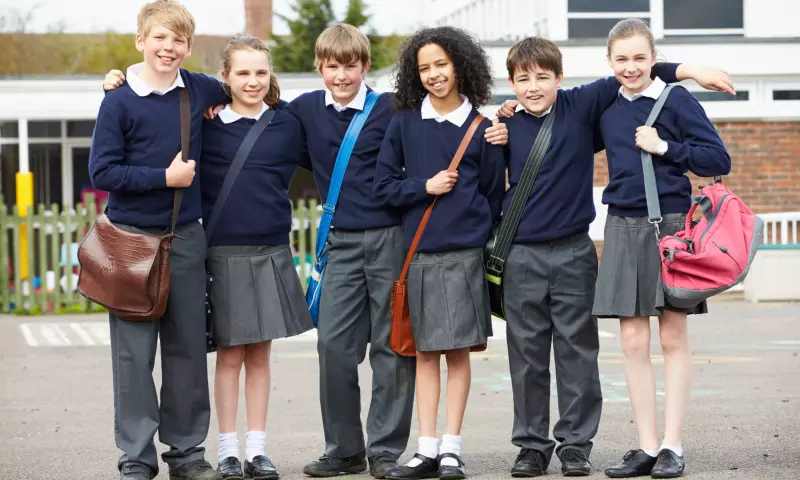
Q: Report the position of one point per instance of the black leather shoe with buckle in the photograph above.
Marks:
(529, 463)
(230, 468)
(326, 466)
(428, 468)
(451, 472)
(635, 463)
(195, 470)
(136, 471)
(668, 465)
(261, 468)
(382, 463)
(575, 463)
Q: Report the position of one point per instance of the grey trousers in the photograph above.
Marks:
(354, 311)
(182, 417)
(548, 295)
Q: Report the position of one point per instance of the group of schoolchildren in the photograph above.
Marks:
(398, 165)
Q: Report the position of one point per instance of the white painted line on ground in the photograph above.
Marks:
(787, 342)
(82, 333)
(52, 334)
(29, 338)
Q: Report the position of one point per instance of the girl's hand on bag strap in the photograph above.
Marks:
(442, 183)
(497, 134)
(113, 80)
(647, 139)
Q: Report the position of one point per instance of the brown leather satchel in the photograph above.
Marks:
(126, 272)
(401, 338)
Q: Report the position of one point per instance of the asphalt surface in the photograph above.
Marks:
(56, 402)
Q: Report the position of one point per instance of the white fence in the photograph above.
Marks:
(780, 228)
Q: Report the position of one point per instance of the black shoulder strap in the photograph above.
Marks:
(236, 167)
(186, 123)
(511, 218)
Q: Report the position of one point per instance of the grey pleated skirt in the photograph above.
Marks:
(448, 300)
(629, 279)
(256, 294)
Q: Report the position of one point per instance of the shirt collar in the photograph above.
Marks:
(457, 117)
(141, 88)
(653, 91)
(521, 108)
(227, 115)
(356, 104)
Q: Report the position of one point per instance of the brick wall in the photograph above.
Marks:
(766, 165)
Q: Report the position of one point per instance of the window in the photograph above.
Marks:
(9, 129)
(706, 96)
(575, 6)
(9, 166)
(498, 99)
(592, 27)
(46, 129)
(786, 94)
(80, 128)
(703, 17)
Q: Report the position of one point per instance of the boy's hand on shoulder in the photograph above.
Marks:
(715, 79)
(647, 139)
(180, 174)
(508, 109)
(442, 183)
(497, 134)
(113, 80)
(213, 111)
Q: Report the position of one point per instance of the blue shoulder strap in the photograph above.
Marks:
(339, 169)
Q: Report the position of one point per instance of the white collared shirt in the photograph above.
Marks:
(521, 108)
(227, 115)
(457, 117)
(357, 103)
(653, 91)
(141, 88)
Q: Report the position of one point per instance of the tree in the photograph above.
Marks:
(295, 53)
(356, 13)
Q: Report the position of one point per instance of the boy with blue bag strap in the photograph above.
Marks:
(321, 258)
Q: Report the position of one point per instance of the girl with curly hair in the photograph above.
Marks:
(442, 76)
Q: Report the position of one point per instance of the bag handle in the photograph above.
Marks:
(510, 221)
(186, 122)
(236, 167)
(650, 185)
(452, 168)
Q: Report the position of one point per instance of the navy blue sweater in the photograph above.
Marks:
(561, 202)
(694, 145)
(415, 150)
(136, 139)
(258, 210)
(357, 208)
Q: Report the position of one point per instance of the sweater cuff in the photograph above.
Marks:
(157, 178)
(673, 151)
(419, 189)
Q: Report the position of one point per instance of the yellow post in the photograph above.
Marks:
(24, 200)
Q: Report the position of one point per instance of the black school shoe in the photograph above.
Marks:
(195, 470)
(260, 469)
(381, 464)
(136, 471)
(635, 463)
(529, 463)
(449, 472)
(230, 469)
(575, 463)
(429, 468)
(668, 465)
(326, 466)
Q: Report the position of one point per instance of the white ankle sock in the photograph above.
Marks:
(652, 453)
(254, 444)
(450, 444)
(675, 448)
(428, 446)
(228, 445)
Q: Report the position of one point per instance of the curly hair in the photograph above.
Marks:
(471, 63)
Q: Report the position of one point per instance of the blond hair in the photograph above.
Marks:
(343, 43)
(631, 27)
(248, 42)
(167, 13)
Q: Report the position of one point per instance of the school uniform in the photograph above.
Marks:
(136, 138)
(629, 283)
(448, 297)
(365, 256)
(255, 290)
(550, 273)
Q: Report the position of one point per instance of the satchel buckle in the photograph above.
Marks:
(495, 265)
(655, 224)
(328, 208)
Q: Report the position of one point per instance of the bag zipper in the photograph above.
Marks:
(725, 251)
(713, 217)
